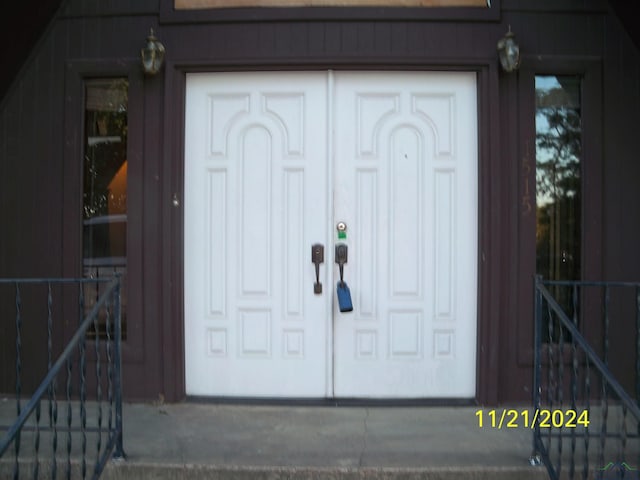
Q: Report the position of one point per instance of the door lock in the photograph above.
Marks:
(341, 227)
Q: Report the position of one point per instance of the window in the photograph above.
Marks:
(104, 196)
(559, 184)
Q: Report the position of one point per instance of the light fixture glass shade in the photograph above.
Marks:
(509, 52)
(152, 55)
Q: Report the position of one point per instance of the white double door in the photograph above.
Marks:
(273, 161)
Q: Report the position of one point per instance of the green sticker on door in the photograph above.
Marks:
(341, 227)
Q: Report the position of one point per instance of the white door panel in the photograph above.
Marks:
(255, 187)
(405, 159)
(272, 162)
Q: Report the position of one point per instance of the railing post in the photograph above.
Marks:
(638, 348)
(18, 300)
(119, 449)
(537, 367)
(638, 362)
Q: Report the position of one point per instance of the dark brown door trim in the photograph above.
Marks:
(490, 239)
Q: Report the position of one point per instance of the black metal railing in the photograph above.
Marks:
(77, 322)
(587, 379)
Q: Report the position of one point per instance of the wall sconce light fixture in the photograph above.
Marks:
(152, 55)
(509, 52)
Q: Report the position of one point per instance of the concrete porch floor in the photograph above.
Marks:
(198, 440)
(204, 441)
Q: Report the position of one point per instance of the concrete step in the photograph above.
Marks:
(246, 442)
(132, 470)
(140, 471)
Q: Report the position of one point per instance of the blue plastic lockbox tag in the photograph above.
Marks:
(344, 297)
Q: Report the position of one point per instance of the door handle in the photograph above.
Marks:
(341, 258)
(317, 257)
(343, 292)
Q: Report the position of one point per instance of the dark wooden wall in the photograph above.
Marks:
(38, 136)
(621, 175)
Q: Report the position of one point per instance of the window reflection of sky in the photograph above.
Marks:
(544, 84)
(551, 94)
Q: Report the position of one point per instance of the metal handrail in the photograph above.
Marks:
(590, 352)
(592, 360)
(114, 447)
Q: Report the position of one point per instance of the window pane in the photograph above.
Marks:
(105, 181)
(558, 182)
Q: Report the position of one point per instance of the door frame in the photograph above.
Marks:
(491, 241)
(592, 171)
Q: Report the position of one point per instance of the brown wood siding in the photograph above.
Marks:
(607, 230)
(30, 142)
(36, 145)
(98, 8)
(337, 44)
(621, 181)
(44, 240)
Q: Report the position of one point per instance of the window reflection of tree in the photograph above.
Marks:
(558, 187)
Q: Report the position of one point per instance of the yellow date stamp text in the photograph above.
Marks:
(526, 418)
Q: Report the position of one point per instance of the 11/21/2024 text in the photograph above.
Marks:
(525, 418)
